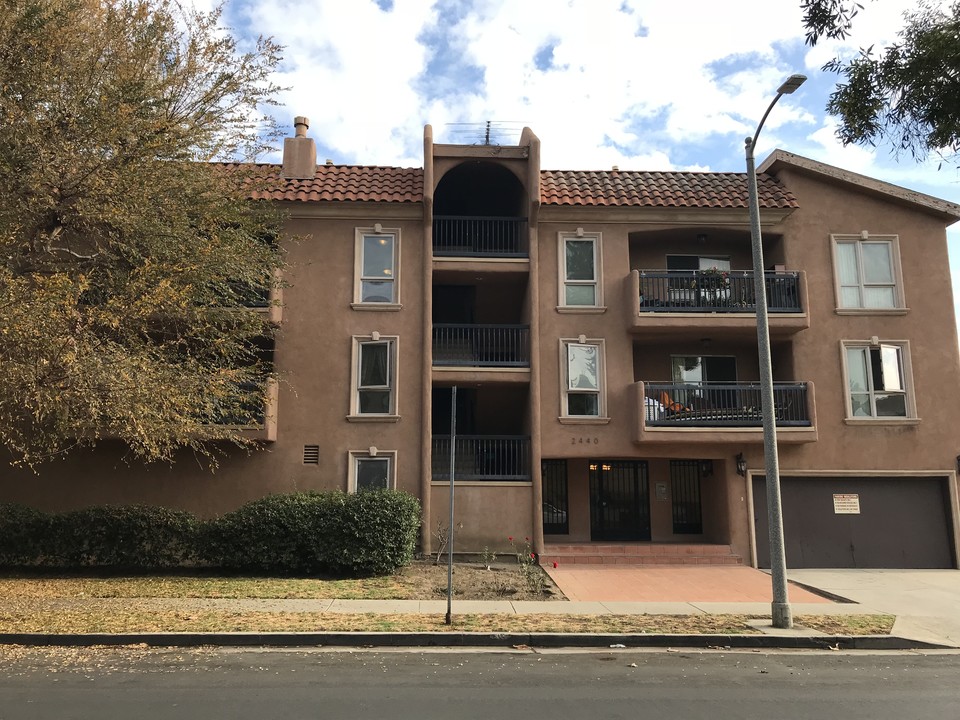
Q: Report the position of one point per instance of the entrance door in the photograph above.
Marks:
(619, 500)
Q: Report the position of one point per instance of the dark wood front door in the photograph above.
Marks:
(619, 500)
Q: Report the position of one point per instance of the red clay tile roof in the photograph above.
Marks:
(659, 189)
(342, 182)
(558, 187)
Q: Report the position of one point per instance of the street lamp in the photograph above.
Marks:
(780, 611)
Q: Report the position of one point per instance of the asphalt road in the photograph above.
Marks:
(222, 683)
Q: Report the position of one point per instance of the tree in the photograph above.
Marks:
(909, 93)
(126, 250)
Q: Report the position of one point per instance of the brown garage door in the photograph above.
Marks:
(903, 522)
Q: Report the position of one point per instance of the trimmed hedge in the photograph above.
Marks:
(132, 536)
(123, 536)
(368, 533)
(24, 533)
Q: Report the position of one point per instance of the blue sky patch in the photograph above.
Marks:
(448, 71)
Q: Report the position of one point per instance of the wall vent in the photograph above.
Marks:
(311, 454)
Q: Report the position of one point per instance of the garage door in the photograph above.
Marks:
(865, 522)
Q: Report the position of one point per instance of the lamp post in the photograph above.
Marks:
(781, 614)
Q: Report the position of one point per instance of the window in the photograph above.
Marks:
(580, 271)
(372, 470)
(708, 368)
(583, 371)
(377, 256)
(374, 378)
(876, 381)
(696, 370)
(867, 272)
(689, 263)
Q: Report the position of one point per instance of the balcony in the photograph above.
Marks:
(254, 418)
(673, 302)
(265, 300)
(722, 412)
(492, 347)
(468, 236)
(483, 458)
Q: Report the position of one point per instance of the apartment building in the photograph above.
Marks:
(600, 331)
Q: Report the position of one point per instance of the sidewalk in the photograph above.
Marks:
(923, 601)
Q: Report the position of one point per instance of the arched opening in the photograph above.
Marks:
(478, 211)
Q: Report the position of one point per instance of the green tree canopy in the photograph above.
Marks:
(907, 94)
(124, 250)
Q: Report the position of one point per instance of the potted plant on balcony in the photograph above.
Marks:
(713, 278)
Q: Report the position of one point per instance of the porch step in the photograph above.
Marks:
(641, 554)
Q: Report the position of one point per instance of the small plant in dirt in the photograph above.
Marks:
(443, 536)
(529, 570)
(488, 557)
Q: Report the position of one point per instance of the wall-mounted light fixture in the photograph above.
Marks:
(741, 465)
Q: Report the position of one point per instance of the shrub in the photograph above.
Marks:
(310, 533)
(272, 534)
(130, 536)
(24, 533)
(379, 533)
(297, 534)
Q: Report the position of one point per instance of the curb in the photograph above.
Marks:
(479, 640)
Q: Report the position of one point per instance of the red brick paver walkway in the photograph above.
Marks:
(670, 584)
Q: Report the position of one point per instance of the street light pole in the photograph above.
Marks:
(781, 614)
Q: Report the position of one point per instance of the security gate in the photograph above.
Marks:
(619, 500)
(555, 505)
(685, 495)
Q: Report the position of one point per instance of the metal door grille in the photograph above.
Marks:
(619, 500)
(555, 502)
(685, 491)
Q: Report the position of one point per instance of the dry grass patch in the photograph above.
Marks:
(131, 619)
(848, 624)
(145, 617)
(418, 581)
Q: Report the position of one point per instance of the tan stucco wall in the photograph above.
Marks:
(485, 514)
(314, 348)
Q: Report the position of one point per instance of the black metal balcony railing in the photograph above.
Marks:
(722, 404)
(481, 345)
(711, 291)
(478, 236)
(483, 457)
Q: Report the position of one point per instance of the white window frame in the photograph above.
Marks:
(858, 241)
(392, 343)
(360, 237)
(565, 389)
(357, 457)
(906, 373)
(596, 283)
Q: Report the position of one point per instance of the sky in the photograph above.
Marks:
(640, 84)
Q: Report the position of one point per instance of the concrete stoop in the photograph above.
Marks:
(639, 554)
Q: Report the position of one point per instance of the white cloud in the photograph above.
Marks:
(641, 84)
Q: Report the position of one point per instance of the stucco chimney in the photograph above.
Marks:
(299, 153)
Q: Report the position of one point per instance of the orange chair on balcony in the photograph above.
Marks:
(670, 404)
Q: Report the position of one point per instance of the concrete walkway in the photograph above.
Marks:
(926, 602)
(710, 584)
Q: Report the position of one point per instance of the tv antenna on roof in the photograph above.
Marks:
(491, 132)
